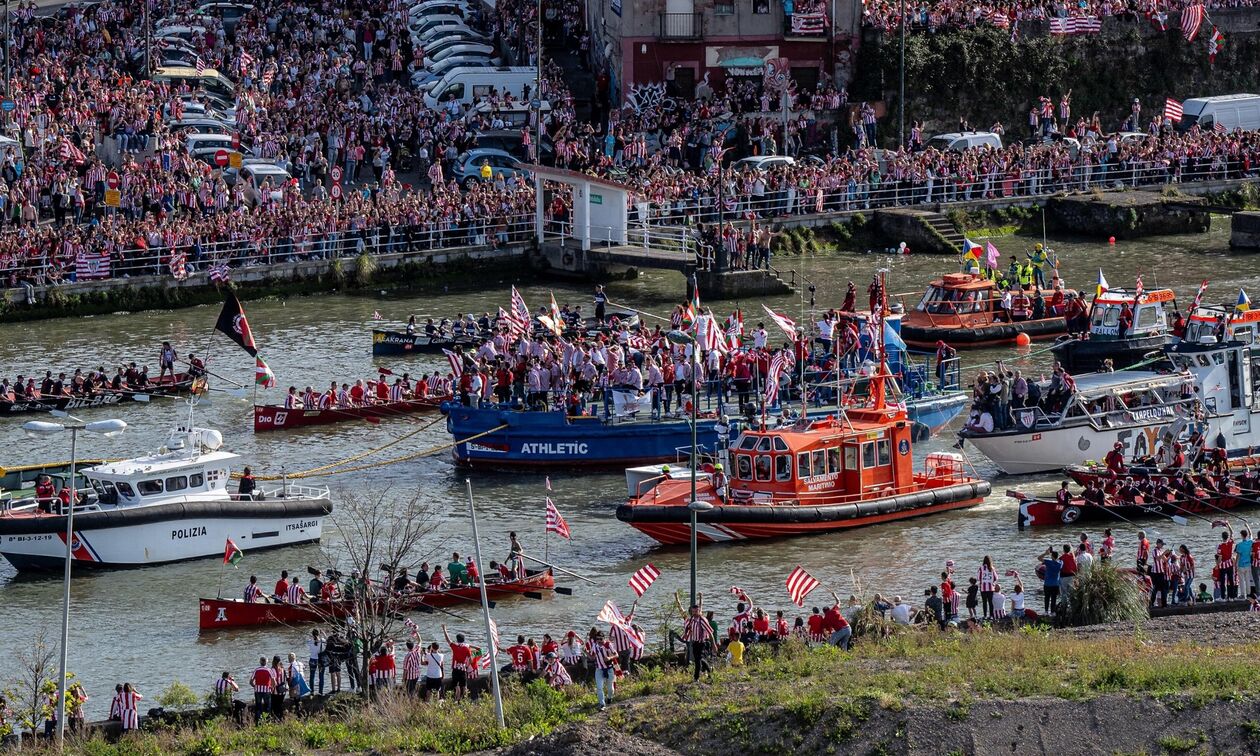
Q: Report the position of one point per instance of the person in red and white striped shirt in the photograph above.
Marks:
(296, 593)
(554, 672)
(253, 594)
(381, 669)
(1226, 562)
(263, 683)
(411, 667)
(987, 576)
(605, 670)
(698, 634)
(129, 707)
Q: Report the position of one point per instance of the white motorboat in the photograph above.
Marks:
(164, 507)
(1218, 382)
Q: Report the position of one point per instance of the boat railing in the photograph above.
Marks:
(294, 491)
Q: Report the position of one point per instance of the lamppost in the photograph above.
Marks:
(694, 506)
(36, 429)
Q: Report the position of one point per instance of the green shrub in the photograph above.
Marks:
(1105, 594)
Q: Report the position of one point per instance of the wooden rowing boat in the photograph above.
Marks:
(272, 417)
(166, 386)
(1037, 511)
(221, 613)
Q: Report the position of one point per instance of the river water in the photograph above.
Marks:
(141, 625)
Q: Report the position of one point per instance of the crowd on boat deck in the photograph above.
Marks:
(88, 383)
(999, 394)
(633, 368)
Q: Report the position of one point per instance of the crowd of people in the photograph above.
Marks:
(885, 15)
(319, 89)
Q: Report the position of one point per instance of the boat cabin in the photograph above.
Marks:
(189, 468)
(1238, 326)
(1116, 399)
(965, 300)
(823, 458)
(1228, 375)
(1150, 316)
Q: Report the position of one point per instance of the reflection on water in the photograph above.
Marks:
(141, 625)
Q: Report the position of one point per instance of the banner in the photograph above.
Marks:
(628, 402)
(90, 266)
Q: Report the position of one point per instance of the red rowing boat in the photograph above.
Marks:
(1035, 511)
(220, 613)
(1083, 474)
(270, 417)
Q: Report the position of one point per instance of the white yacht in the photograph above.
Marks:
(1138, 408)
(163, 507)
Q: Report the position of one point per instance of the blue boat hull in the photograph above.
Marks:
(550, 440)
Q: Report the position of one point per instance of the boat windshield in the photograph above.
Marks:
(939, 300)
(105, 491)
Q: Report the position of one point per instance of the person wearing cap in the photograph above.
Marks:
(719, 481)
(1115, 460)
(554, 671)
(571, 649)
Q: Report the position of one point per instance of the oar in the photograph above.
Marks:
(557, 569)
(1210, 505)
(216, 375)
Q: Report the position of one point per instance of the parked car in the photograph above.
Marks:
(510, 141)
(1236, 111)
(200, 126)
(467, 168)
(262, 175)
(763, 162)
(439, 69)
(453, 48)
(961, 142)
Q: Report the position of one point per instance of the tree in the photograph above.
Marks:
(378, 535)
(32, 691)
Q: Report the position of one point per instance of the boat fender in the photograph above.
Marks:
(1070, 515)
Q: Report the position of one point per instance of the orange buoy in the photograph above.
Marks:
(1112, 241)
(1021, 339)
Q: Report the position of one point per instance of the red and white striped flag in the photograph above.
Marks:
(1172, 110)
(520, 310)
(739, 593)
(642, 579)
(1219, 128)
(376, 315)
(220, 273)
(799, 585)
(178, 265)
(201, 66)
(457, 363)
(92, 265)
(613, 616)
(1198, 297)
(1191, 21)
(782, 321)
(556, 523)
(514, 328)
(1138, 291)
(778, 365)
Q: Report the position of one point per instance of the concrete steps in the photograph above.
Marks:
(946, 229)
(923, 230)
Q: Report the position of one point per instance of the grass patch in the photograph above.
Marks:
(798, 700)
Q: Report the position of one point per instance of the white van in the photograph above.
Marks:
(466, 85)
(961, 142)
(1236, 111)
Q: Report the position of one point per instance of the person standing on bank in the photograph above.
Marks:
(699, 637)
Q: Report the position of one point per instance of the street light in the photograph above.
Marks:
(682, 338)
(37, 429)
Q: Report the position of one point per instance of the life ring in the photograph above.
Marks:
(1070, 515)
(567, 258)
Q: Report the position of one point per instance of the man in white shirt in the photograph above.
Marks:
(760, 336)
(433, 672)
(900, 611)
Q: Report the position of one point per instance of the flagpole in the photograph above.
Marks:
(222, 569)
(485, 613)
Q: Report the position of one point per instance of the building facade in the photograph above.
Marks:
(684, 43)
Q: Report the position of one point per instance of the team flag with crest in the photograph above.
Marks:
(233, 324)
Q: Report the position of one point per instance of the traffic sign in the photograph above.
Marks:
(535, 103)
(236, 141)
(113, 198)
(111, 180)
(335, 191)
(8, 105)
(221, 158)
(235, 160)
(335, 174)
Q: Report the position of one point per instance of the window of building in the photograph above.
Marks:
(723, 7)
(761, 7)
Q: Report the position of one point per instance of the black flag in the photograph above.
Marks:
(232, 322)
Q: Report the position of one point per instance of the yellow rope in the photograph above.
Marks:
(370, 452)
(383, 463)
